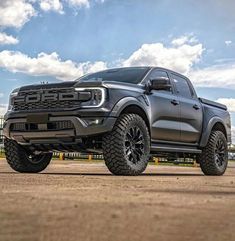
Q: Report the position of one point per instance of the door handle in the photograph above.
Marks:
(175, 102)
(196, 107)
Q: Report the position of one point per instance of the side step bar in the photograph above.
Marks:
(161, 148)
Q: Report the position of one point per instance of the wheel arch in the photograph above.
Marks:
(215, 124)
(219, 126)
(135, 109)
(132, 106)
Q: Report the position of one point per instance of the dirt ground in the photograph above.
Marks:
(83, 201)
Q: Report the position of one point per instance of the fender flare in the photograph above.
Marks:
(206, 133)
(128, 101)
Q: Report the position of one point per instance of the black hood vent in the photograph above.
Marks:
(66, 84)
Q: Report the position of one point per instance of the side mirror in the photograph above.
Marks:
(160, 83)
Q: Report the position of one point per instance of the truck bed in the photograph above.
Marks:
(213, 103)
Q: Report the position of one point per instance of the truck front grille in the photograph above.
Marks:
(32, 100)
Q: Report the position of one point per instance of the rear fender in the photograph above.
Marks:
(207, 131)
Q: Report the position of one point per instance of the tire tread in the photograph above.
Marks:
(17, 159)
(206, 158)
(112, 146)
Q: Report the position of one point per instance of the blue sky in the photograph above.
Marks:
(57, 40)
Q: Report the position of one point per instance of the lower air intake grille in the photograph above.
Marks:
(55, 125)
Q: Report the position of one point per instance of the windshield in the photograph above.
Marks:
(132, 75)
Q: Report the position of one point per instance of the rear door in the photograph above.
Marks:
(165, 111)
(190, 110)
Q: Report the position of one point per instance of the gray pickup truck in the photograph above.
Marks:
(128, 114)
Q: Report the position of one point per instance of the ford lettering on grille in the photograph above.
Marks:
(46, 100)
(46, 97)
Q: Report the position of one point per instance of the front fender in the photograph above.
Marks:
(129, 101)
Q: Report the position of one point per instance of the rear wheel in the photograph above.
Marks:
(126, 148)
(214, 157)
(22, 161)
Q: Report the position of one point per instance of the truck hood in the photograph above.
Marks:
(109, 84)
(70, 84)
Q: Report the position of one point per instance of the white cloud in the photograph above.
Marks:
(15, 13)
(1, 95)
(179, 58)
(7, 39)
(214, 76)
(51, 5)
(185, 39)
(233, 134)
(79, 3)
(58, 5)
(180, 41)
(47, 65)
(228, 42)
(3, 109)
(229, 102)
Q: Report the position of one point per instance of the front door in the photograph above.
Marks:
(165, 108)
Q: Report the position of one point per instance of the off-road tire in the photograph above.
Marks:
(20, 161)
(115, 146)
(209, 163)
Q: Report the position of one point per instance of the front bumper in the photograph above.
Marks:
(80, 129)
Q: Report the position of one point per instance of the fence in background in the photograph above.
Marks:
(77, 156)
(1, 136)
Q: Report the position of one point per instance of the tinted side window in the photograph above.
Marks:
(182, 86)
(158, 73)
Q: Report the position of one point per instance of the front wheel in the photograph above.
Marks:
(22, 161)
(126, 148)
(214, 157)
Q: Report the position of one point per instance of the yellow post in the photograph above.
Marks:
(61, 156)
(156, 159)
(89, 157)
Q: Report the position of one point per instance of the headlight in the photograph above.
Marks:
(13, 94)
(97, 96)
